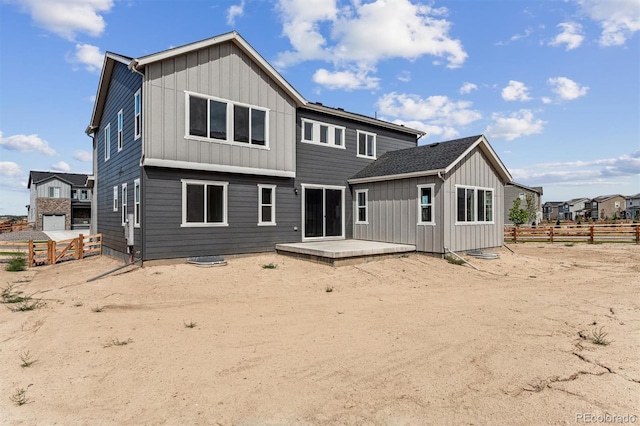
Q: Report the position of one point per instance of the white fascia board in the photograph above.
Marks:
(221, 168)
(394, 177)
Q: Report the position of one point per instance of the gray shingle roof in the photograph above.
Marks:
(75, 179)
(436, 156)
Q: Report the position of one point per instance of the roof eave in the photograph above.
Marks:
(491, 154)
(396, 176)
(103, 86)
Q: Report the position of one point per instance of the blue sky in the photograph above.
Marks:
(554, 85)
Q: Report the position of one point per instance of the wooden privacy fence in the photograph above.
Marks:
(51, 252)
(623, 233)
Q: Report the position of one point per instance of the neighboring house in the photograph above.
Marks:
(207, 150)
(513, 191)
(574, 209)
(551, 210)
(633, 206)
(608, 207)
(59, 201)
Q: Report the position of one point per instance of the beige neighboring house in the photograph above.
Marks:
(607, 207)
(58, 201)
(515, 190)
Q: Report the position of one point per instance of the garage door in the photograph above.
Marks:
(53, 222)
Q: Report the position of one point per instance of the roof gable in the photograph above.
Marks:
(440, 157)
(73, 179)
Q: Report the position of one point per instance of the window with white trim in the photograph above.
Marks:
(120, 140)
(136, 203)
(74, 194)
(124, 203)
(266, 205)
(204, 203)
(115, 198)
(319, 133)
(366, 144)
(137, 115)
(107, 142)
(425, 204)
(474, 204)
(84, 194)
(215, 119)
(54, 192)
(362, 206)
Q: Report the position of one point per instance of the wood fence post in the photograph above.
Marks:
(515, 234)
(551, 234)
(31, 254)
(637, 234)
(80, 247)
(52, 252)
(591, 234)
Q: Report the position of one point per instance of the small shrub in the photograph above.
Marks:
(599, 337)
(97, 309)
(17, 263)
(329, 289)
(270, 266)
(568, 244)
(454, 260)
(19, 397)
(9, 295)
(118, 342)
(26, 359)
(28, 304)
(190, 324)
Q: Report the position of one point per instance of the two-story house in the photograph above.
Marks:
(59, 201)
(513, 191)
(608, 207)
(551, 210)
(633, 207)
(206, 149)
(574, 209)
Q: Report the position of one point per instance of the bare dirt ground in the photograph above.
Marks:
(412, 340)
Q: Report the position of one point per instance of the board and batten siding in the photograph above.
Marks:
(393, 214)
(43, 188)
(326, 165)
(473, 170)
(122, 166)
(165, 238)
(226, 72)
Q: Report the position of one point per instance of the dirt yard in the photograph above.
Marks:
(406, 341)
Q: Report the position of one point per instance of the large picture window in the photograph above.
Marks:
(474, 205)
(362, 210)
(204, 203)
(366, 144)
(266, 205)
(316, 132)
(217, 119)
(425, 204)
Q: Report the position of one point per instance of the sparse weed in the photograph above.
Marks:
(17, 263)
(329, 289)
(19, 397)
(97, 309)
(270, 266)
(569, 244)
(28, 304)
(599, 337)
(118, 342)
(454, 260)
(26, 359)
(78, 304)
(190, 324)
(9, 295)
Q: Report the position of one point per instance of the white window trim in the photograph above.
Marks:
(229, 140)
(273, 205)
(366, 207)
(303, 200)
(124, 204)
(137, 127)
(316, 134)
(475, 212)
(433, 210)
(120, 131)
(107, 142)
(115, 198)
(136, 203)
(225, 207)
(375, 143)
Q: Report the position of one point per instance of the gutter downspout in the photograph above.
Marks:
(133, 67)
(440, 176)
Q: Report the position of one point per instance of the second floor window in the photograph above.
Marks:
(74, 194)
(54, 192)
(120, 140)
(319, 133)
(137, 115)
(217, 119)
(366, 144)
(107, 142)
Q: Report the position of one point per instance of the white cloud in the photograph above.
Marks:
(516, 125)
(85, 156)
(546, 100)
(571, 35)
(68, 17)
(404, 76)
(61, 166)
(567, 89)
(362, 34)
(10, 169)
(468, 88)
(26, 143)
(436, 109)
(235, 11)
(619, 19)
(347, 80)
(527, 33)
(516, 91)
(89, 56)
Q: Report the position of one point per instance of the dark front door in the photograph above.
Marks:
(323, 212)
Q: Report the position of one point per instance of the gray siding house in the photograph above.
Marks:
(513, 191)
(208, 150)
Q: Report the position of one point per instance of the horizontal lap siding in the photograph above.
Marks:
(325, 165)
(166, 238)
(473, 170)
(123, 166)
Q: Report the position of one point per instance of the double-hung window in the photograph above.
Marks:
(266, 205)
(54, 192)
(107, 142)
(425, 204)
(216, 119)
(366, 144)
(204, 203)
(362, 206)
(84, 194)
(137, 115)
(124, 203)
(120, 140)
(136, 203)
(474, 204)
(320, 133)
(115, 198)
